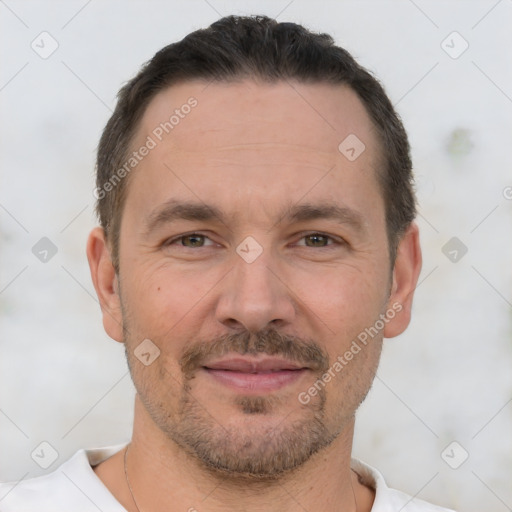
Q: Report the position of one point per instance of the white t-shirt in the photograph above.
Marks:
(74, 487)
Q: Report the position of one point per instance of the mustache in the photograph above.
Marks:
(268, 341)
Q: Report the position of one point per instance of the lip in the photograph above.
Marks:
(255, 375)
(249, 365)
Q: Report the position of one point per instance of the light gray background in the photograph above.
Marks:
(446, 379)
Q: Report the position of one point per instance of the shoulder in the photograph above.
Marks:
(387, 499)
(35, 493)
(72, 486)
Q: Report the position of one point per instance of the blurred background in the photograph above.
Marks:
(437, 422)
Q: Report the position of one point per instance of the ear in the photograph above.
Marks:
(105, 282)
(405, 278)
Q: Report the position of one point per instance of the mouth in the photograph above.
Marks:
(255, 375)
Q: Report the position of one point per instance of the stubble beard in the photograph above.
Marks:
(256, 452)
(259, 452)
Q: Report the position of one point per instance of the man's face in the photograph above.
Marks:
(252, 254)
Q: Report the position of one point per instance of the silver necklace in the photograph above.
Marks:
(128, 481)
(135, 502)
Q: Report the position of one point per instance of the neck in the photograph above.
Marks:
(161, 473)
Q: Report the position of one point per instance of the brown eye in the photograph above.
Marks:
(189, 241)
(192, 240)
(317, 240)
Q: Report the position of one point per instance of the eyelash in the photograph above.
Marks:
(334, 240)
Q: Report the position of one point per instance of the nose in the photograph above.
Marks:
(255, 296)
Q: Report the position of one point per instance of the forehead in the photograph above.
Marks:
(310, 117)
(247, 140)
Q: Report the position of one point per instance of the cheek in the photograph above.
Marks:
(158, 297)
(167, 304)
(345, 300)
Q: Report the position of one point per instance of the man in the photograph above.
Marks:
(256, 245)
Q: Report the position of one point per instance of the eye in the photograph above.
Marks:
(192, 240)
(197, 240)
(317, 240)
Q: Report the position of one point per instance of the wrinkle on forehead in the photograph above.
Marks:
(258, 143)
(233, 115)
(250, 156)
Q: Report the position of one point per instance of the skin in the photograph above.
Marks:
(253, 151)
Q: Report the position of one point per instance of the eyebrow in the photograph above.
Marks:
(341, 214)
(173, 210)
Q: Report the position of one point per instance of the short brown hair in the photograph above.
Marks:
(237, 47)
